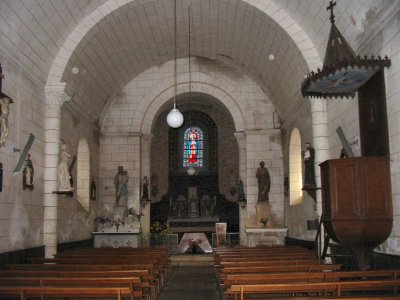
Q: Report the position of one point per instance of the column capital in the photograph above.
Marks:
(55, 94)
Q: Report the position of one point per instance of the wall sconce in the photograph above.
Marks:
(242, 203)
(144, 202)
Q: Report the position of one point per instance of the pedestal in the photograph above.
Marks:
(266, 236)
(132, 239)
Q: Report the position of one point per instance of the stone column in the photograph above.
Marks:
(145, 171)
(55, 97)
(241, 141)
(320, 142)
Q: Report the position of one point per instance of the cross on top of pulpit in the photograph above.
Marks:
(332, 4)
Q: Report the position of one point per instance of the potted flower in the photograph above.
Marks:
(158, 233)
(264, 220)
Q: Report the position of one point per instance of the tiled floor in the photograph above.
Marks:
(191, 283)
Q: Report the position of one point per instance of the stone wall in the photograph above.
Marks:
(296, 216)
(74, 222)
(21, 211)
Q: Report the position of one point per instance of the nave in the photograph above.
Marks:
(264, 272)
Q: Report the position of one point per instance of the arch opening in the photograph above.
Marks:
(295, 171)
(83, 174)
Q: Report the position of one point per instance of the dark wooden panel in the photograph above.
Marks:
(373, 117)
(344, 194)
(376, 187)
(357, 196)
(20, 256)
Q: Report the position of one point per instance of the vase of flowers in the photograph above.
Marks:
(137, 215)
(264, 221)
(101, 220)
(158, 231)
(117, 222)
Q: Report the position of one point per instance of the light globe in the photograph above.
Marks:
(175, 118)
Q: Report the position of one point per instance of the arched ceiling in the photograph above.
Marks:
(139, 35)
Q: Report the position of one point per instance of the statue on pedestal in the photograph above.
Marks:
(309, 173)
(64, 177)
(206, 206)
(4, 112)
(121, 187)
(27, 174)
(264, 183)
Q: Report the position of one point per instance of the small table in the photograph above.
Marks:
(132, 239)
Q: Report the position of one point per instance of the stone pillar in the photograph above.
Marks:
(320, 142)
(145, 171)
(55, 97)
(241, 141)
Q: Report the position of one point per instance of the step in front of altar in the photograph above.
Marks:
(192, 225)
(192, 260)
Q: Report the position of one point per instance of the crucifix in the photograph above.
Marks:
(332, 4)
(4, 112)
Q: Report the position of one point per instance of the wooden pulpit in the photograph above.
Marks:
(357, 203)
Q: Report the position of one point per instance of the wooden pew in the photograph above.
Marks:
(134, 283)
(334, 288)
(279, 269)
(308, 277)
(63, 292)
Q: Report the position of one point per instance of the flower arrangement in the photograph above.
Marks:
(159, 228)
(117, 222)
(102, 219)
(132, 212)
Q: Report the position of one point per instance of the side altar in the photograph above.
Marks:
(123, 230)
(130, 238)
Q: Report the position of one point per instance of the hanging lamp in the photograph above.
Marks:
(175, 117)
(191, 170)
(343, 73)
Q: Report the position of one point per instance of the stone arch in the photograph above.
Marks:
(295, 171)
(300, 38)
(83, 174)
(160, 94)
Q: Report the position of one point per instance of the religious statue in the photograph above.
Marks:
(240, 191)
(206, 206)
(309, 174)
(264, 183)
(4, 112)
(178, 207)
(64, 183)
(27, 174)
(121, 187)
(232, 183)
(93, 190)
(145, 189)
(154, 185)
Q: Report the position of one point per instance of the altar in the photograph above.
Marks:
(266, 236)
(130, 238)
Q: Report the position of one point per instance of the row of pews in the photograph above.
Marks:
(120, 273)
(281, 272)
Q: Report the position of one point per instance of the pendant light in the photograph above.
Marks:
(175, 117)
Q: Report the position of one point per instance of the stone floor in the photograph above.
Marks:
(191, 283)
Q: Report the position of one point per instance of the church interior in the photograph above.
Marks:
(210, 135)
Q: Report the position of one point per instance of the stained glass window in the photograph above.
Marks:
(193, 147)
